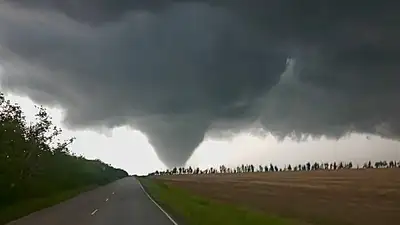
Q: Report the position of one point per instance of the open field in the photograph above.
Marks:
(190, 209)
(318, 197)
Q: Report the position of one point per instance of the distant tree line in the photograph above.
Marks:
(249, 168)
(34, 162)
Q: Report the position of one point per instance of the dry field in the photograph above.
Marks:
(367, 197)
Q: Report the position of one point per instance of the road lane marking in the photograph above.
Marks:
(106, 199)
(155, 203)
(94, 212)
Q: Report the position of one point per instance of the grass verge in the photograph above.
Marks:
(195, 210)
(29, 206)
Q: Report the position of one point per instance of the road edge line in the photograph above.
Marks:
(155, 203)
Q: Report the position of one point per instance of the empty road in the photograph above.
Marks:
(120, 203)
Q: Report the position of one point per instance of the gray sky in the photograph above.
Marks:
(129, 149)
(185, 71)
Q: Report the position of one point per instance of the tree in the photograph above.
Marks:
(34, 162)
(252, 168)
(271, 167)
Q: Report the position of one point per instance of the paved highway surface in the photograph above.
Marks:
(120, 203)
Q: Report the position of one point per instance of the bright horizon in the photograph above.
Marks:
(130, 150)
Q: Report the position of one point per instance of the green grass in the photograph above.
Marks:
(195, 210)
(24, 208)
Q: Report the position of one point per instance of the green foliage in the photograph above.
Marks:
(34, 163)
(195, 210)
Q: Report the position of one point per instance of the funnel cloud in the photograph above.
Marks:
(180, 71)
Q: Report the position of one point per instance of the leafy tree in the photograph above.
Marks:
(34, 162)
(308, 166)
(252, 168)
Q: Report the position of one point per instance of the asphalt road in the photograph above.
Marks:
(120, 203)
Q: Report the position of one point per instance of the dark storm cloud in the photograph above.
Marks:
(177, 70)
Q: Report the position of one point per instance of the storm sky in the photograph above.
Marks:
(181, 71)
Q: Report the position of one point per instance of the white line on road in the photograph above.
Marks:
(94, 212)
(162, 210)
